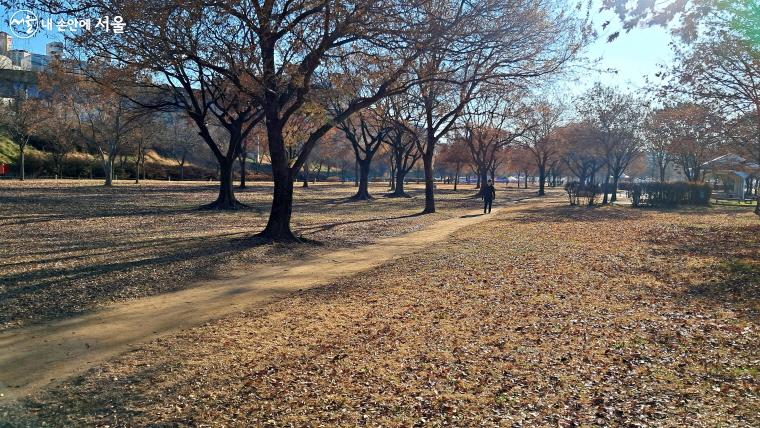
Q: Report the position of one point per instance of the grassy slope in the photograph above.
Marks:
(545, 316)
(8, 150)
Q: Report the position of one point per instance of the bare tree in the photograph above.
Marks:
(455, 155)
(484, 131)
(105, 121)
(616, 121)
(496, 43)
(540, 123)
(179, 139)
(659, 139)
(403, 146)
(582, 155)
(366, 132)
(19, 117)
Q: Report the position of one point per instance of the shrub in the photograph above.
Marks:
(578, 192)
(668, 194)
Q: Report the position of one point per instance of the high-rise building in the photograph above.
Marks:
(19, 57)
(54, 49)
(35, 62)
(6, 43)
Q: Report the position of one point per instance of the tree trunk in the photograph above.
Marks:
(356, 174)
(22, 172)
(483, 180)
(226, 199)
(392, 175)
(456, 177)
(541, 179)
(305, 175)
(526, 179)
(362, 194)
(242, 159)
(615, 179)
(400, 176)
(278, 225)
(108, 169)
(398, 191)
(427, 161)
(606, 185)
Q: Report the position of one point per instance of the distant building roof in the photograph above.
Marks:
(731, 162)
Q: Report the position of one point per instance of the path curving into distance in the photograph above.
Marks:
(34, 357)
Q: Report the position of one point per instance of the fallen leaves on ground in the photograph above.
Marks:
(545, 315)
(69, 246)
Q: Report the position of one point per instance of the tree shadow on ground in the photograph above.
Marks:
(561, 211)
(44, 292)
(310, 230)
(724, 268)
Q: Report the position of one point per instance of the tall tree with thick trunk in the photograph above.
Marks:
(176, 57)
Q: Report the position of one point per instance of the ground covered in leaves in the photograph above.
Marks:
(545, 315)
(68, 246)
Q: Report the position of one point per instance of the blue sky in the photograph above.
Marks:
(634, 54)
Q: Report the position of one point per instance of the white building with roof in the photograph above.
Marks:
(733, 171)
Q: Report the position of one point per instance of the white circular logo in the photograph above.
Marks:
(23, 23)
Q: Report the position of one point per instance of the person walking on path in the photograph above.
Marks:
(489, 194)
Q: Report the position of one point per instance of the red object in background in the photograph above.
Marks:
(3, 169)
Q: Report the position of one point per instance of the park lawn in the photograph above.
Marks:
(546, 315)
(69, 246)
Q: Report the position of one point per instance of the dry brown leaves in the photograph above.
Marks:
(544, 316)
(69, 246)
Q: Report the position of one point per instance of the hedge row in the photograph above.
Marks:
(665, 194)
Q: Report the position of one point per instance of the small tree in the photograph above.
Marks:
(581, 154)
(455, 155)
(403, 145)
(616, 123)
(658, 140)
(540, 123)
(105, 121)
(20, 117)
(366, 132)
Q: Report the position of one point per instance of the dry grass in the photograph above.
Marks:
(69, 246)
(544, 316)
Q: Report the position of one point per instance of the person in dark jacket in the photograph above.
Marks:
(489, 194)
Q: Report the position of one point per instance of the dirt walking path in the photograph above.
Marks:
(33, 357)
